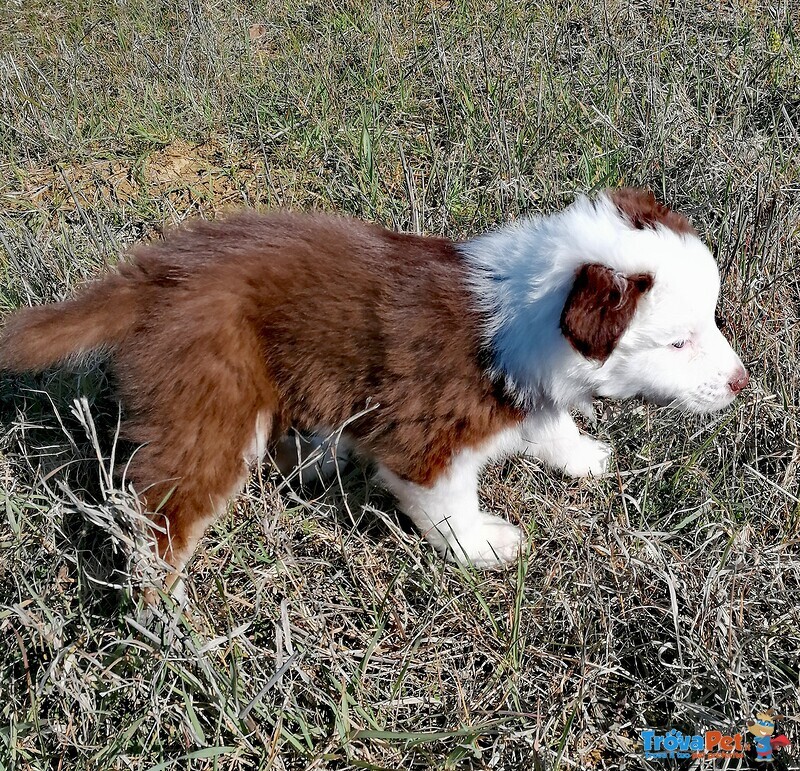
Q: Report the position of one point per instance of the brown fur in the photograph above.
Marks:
(644, 211)
(291, 319)
(35, 338)
(599, 308)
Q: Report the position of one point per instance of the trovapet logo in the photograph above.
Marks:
(717, 745)
(708, 745)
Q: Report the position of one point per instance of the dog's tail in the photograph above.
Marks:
(33, 339)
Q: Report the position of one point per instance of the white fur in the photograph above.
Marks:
(553, 437)
(259, 442)
(448, 513)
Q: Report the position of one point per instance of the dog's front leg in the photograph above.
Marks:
(553, 437)
(448, 515)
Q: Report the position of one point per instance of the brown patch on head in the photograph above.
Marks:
(642, 209)
(599, 308)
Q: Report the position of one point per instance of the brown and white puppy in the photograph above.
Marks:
(228, 333)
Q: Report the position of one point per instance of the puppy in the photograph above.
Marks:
(435, 356)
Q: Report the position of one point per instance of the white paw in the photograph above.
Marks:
(490, 542)
(586, 456)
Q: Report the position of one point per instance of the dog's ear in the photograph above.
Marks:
(642, 210)
(599, 308)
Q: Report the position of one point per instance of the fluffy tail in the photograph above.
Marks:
(33, 339)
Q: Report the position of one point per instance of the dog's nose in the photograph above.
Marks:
(739, 380)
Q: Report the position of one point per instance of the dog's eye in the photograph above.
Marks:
(679, 344)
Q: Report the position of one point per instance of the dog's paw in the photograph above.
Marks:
(587, 457)
(490, 543)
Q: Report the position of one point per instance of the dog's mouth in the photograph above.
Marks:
(696, 403)
(703, 405)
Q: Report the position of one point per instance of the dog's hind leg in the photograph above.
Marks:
(201, 409)
(187, 475)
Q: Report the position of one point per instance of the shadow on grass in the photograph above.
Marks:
(60, 436)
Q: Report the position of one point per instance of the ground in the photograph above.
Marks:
(320, 632)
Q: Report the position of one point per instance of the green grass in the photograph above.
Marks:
(326, 636)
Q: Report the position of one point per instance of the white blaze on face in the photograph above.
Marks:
(673, 352)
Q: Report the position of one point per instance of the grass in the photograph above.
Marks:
(320, 633)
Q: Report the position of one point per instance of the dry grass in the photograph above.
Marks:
(325, 635)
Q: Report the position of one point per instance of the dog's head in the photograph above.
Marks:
(653, 329)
